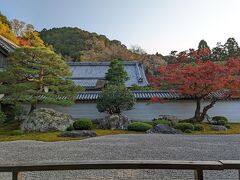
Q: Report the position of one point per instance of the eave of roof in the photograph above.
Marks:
(147, 95)
(7, 45)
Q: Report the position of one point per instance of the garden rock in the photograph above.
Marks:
(113, 122)
(218, 128)
(46, 119)
(171, 118)
(163, 129)
(81, 133)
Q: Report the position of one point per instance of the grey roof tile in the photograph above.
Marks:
(6, 44)
(146, 95)
(87, 74)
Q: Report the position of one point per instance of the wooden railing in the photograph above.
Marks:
(197, 166)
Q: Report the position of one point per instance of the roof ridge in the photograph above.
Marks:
(91, 63)
(143, 91)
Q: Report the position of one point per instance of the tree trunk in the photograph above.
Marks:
(197, 114)
(206, 108)
(33, 107)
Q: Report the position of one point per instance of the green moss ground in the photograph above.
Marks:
(8, 133)
(234, 129)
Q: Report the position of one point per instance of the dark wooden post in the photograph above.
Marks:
(239, 174)
(198, 174)
(16, 176)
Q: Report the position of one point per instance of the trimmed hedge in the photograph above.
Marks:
(147, 122)
(228, 126)
(83, 124)
(184, 126)
(139, 126)
(3, 117)
(70, 128)
(187, 131)
(198, 127)
(220, 120)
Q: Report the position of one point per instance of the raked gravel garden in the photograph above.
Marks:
(124, 147)
(139, 141)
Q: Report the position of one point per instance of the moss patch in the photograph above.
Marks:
(9, 133)
(234, 129)
(105, 132)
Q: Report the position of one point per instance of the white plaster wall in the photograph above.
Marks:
(144, 111)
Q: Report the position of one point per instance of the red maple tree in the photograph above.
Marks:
(192, 55)
(23, 42)
(201, 80)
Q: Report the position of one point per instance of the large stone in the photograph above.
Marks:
(163, 129)
(171, 118)
(113, 122)
(218, 128)
(82, 133)
(46, 119)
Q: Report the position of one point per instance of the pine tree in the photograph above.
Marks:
(37, 75)
(116, 74)
(115, 99)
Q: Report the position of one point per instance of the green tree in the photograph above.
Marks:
(116, 74)
(218, 53)
(203, 50)
(37, 75)
(5, 20)
(33, 38)
(224, 52)
(115, 99)
(203, 44)
(231, 47)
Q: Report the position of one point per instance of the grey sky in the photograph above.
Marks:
(155, 25)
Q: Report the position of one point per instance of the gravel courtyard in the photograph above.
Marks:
(124, 147)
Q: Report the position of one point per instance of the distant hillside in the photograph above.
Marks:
(79, 45)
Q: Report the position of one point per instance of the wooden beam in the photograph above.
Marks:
(230, 164)
(121, 164)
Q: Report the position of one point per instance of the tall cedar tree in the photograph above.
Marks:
(37, 75)
(223, 52)
(201, 80)
(230, 49)
(204, 51)
(116, 74)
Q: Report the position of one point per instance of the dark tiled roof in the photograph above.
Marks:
(6, 44)
(87, 74)
(144, 95)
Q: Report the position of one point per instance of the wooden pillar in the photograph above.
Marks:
(16, 176)
(198, 174)
(239, 174)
